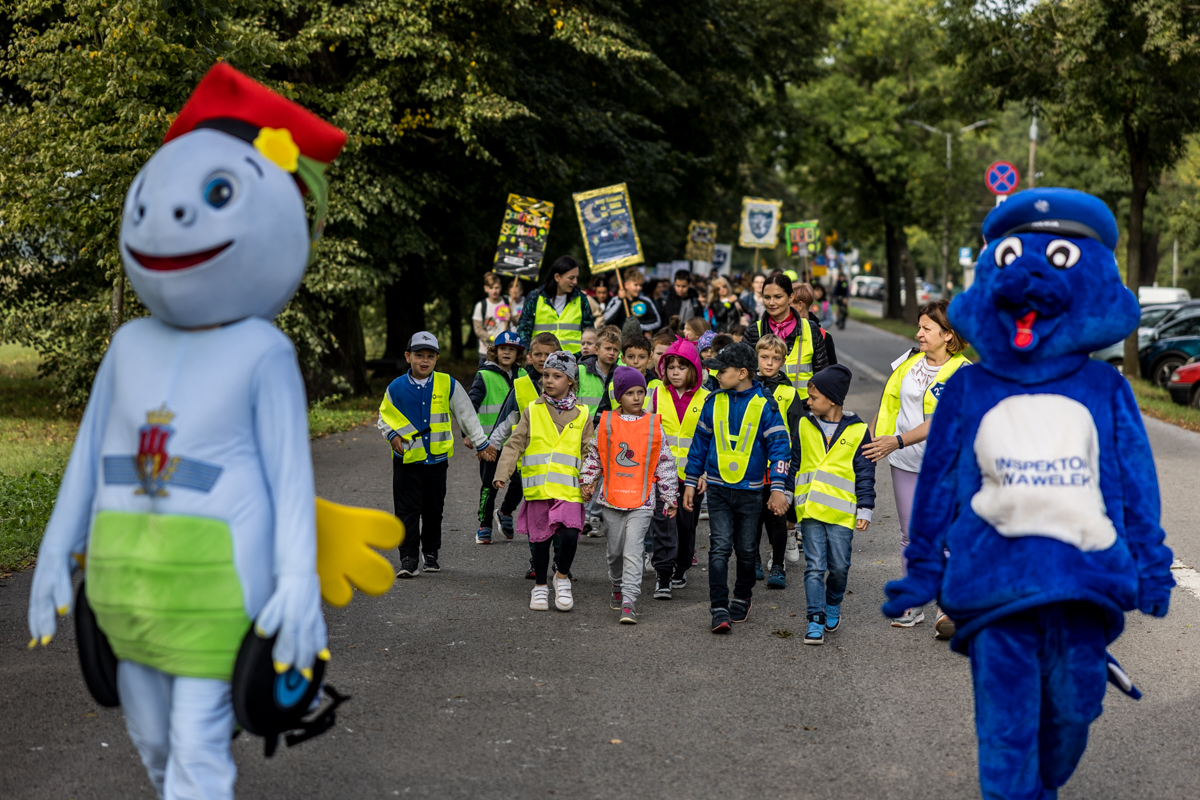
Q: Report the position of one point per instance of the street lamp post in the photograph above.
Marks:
(949, 166)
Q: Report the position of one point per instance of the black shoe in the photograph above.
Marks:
(431, 563)
(739, 609)
(531, 575)
(408, 568)
(662, 588)
(720, 620)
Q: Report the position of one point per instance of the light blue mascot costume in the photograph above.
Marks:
(189, 494)
(1043, 491)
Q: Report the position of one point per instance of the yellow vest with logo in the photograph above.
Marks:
(798, 365)
(784, 395)
(441, 438)
(825, 482)
(568, 326)
(889, 406)
(550, 464)
(734, 459)
(679, 432)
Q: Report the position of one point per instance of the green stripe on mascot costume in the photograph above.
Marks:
(1043, 491)
(189, 496)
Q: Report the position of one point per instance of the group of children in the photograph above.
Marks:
(626, 442)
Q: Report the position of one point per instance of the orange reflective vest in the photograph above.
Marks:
(629, 453)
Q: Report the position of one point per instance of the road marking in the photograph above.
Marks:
(1186, 577)
(854, 363)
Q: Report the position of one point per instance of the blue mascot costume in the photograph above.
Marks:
(1037, 528)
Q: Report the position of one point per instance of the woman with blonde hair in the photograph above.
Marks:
(902, 423)
(724, 307)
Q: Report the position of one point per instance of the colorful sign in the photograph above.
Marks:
(606, 220)
(523, 236)
(701, 238)
(802, 237)
(760, 222)
(1002, 178)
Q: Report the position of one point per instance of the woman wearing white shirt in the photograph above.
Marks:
(902, 424)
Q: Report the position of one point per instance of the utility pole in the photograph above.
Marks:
(949, 171)
(1033, 147)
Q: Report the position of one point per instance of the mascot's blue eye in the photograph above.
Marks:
(219, 192)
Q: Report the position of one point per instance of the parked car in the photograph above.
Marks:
(866, 285)
(1151, 317)
(1184, 385)
(928, 293)
(1148, 295)
(1172, 345)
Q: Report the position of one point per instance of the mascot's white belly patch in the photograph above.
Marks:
(1039, 455)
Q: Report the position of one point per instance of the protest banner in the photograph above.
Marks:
(523, 236)
(606, 220)
(760, 222)
(802, 238)
(722, 258)
(701, 238)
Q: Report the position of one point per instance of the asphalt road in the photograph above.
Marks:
(459, 690)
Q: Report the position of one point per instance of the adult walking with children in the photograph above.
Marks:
(805, 344)
(558, 307)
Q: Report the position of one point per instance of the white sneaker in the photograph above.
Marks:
(594, 527)
(563, 600)
(704, 510)
(647, 563)
(767, 565)
(793, 549)
(911, 617)
(540, 599)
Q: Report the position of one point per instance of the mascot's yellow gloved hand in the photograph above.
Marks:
(345, 536)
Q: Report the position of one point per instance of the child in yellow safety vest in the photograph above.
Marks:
(504, 363)
(550, 439)
(772, 353)
(834, 495)
(630, 452)
(678, 402)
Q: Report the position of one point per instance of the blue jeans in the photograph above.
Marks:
(732, 525)
(826, 548)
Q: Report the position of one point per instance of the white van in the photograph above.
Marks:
(1153, 295)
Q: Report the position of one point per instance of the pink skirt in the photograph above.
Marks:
(541, 519)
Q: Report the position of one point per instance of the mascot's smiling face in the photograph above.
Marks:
(1044, 300)
(213, 232)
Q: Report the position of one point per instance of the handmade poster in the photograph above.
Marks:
(760, 222)
(606, 220)
(802, 237)
(523, 236)
(701, 238)
(722, 258)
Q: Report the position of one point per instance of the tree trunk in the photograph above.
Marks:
(1139, 167)
(891, 295)
(348, 356)
(910, 279)
(405, 308)
(1150, 257)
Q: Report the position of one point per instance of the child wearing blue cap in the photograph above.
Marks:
(504, 362)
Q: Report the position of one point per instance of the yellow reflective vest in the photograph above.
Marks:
(550, 464)
(784, 396)
(734, 459)
(568, 326)
(798, 365)
(526, 392)
(825, 482)
(441, 438)
(889, 406)
(679, 432)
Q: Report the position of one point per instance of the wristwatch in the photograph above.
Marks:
(900, 441)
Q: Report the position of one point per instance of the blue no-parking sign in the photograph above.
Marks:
(1002, 178)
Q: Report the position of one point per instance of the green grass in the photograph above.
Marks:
(1157, 403)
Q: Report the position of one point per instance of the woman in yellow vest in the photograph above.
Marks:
(902, 424)
(558, 307)
(551, 440)
(802, 337)
(679, 402)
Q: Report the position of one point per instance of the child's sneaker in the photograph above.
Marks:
(628, 615)
(563, 600)
(532, 574)
(539, 600)
(720, 620)
(704, 509)
(778, 578)
(431, 563)
(662, 586)
(833, 618)
(792, 553)
(944, 627)
(816, 629)
(679, 581)
(483, 536)
(506, 525)
(408, 568)
(695, 560)
(758, 569)
(615, 603)
(911, 617)
(647, 564)
(593, 527)
(739, 609)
